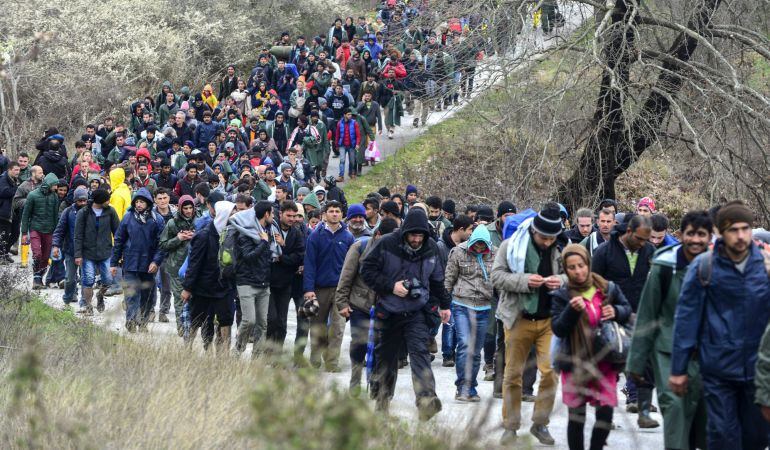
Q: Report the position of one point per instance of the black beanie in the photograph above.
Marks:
(449, 206)
(505, 207)
(101, 196)
(548, 222)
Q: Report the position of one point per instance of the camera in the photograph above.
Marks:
(310, 308)
(414, 286)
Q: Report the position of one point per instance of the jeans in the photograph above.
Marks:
(254, 305)
(40, 245)
(56, 273)
(448, 338)
(89, 269)
(348, 153)
(470, 329)
(138, 294)
(70, 280)
(359, 336)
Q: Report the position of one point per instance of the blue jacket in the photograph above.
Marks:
(136, 243)
(205, 133)
(324, 255)
(64, 234)
(724, 321)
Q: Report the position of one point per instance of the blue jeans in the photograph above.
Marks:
(70, 279)
(350, 153)
(470, 328)
(138, 294)
(448, 338)
(359, 336)
(89, 269)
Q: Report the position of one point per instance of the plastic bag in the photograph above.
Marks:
(373, 152)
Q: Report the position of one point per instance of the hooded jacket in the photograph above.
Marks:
(609, 260)
(41, 210)
(137, 243)
(468, 275)
(94, 235)
(53, 161)
(393, 259)
(8, 187)
(292, 256)
(203, 277)
(64, 234)
(253, 256)
(120, 199)
(324, 256)
(352, 291)
(176, 249)
(205, 133)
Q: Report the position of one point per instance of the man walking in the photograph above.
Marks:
(38, 221)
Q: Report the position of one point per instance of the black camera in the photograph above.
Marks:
(310, 308)
(414, 286)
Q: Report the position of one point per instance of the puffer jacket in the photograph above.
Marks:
(41, 211)
(352, 291)
(93, 235)
(136, 243)
(175, 249)
(120, 199)
(467, 277)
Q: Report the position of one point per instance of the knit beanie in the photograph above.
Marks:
(356, 210)
(101, 196)
(449, 206)
(411, 189)
(81, 193)
(548, 222)
(734, 212)
(505, 207)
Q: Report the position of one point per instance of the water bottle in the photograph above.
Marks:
(185, 317)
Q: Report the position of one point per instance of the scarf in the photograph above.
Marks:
(517, 247)
(143, 216)
(584, 361)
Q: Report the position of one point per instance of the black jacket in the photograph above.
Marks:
(8, 188)
(252, 262)
(91, 242)
(292, 256)
(203, 277)
(610, 261)
(54, 162)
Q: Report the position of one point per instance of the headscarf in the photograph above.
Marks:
(223, 209)
(593, 279)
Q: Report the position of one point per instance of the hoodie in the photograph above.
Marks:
(138, 237)
(312, 200)
(208, 97)
(41, 210)
(467, 274)
(120, 199)
(176, 249)
(254, 255)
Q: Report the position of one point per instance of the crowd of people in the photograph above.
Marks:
(221, 211)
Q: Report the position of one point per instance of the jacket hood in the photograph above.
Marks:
(480, 234)
(145, 195)
(117, 177)
(223, 209)
(143, 152)
(49, 181)
(666, 256)
(185, 199)
(416, 221)
(208, 88)
(246, 223)
(311, 200)
(167, 84)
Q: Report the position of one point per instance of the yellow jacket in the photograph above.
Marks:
(121, 194)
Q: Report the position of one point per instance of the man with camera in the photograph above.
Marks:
(404, 270)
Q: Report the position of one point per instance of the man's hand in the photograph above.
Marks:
(25, 239)
(638, 379)
(78, 261)
(445, 315)
(185, 235)
(400, 290)
(278, 238)
(766, 412)
(608, 312)
(55, 252)
(535, 281)
(186, 295)
(346, 312)
(678, 384)
(264, 236)
(553, 282)
(114, 271)
(153, 268)
(578, 304)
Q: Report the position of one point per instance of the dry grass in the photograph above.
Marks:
(69, 384)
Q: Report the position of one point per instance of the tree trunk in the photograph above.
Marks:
(615, 145)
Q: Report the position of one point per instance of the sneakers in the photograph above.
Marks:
(497, 395)
(529, 398)
(37, 284)
(632, 408)
(489, 372)
(428, 407)
(467, 398)
(86, 310)
(61, 284)
(448, 362)
(433, 346)
(540, 432)
(163, 318)
(645, 421)
(390, 134)
(151, 318)
(131, 327)
(509, 438)
(416, 122)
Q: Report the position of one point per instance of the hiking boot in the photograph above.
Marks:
(390, 134)
(540, 432)
(509, 438)
(416, 122)
(100, 298)
(143, 328)
(653, 408)
(131, 327)
(489, 372)
(61, 284)
(37, 284)
(14, 250)
(151, 317)
(402, 363)
(340, 179)
(497, 394)
(645, 421)
(382, 405)
(632, 408)
(529, 398)
(465, 398)
(448, 362)
(163, 318)
(87, 310)
(432, 346)
(428, 407)
(6, 259)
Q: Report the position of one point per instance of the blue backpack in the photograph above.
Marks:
(512, 223)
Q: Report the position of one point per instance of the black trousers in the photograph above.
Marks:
(9, 233)
(391, 330)
(303, 325)
(278, 314)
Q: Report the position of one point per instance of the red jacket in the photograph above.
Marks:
(343, 55)
(396, 67)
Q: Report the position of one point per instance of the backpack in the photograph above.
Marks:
(227, 243)
(513, 222)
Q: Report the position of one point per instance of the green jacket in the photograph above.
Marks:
(261, 191)
(41, 211)
(176, 250)
(762, 376)
(655, 317)
(316, 153)
(494, 234)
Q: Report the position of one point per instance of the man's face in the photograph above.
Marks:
(606, 222)
(140, 205)
(94, 185)
(37, 174)
(280, 195)
(81, 202)
(179, 119)
(542, 241)
(367, 97)
(108, 123)
(269, 175)
(188, 210)
(737, 238)
(192, 172)
(230, 71)
(415, 240)
(61, 191)
(279, 118)
(170, 97)
(371, 212)
(142, 171)
(585, 225)
(434, 213)
(23, 162)
(288, 218)
(161, 200)
(411, 198)
(636, 239)
(644, 211)
(90, 132)
(165, 170)
(286, 173)
(119, 141)
(356, 223)
(695, 240)
(656, 237)
(14, 171)
(333, 215)
(231, 135)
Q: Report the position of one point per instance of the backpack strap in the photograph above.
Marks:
(705, 267)
(364, 240)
